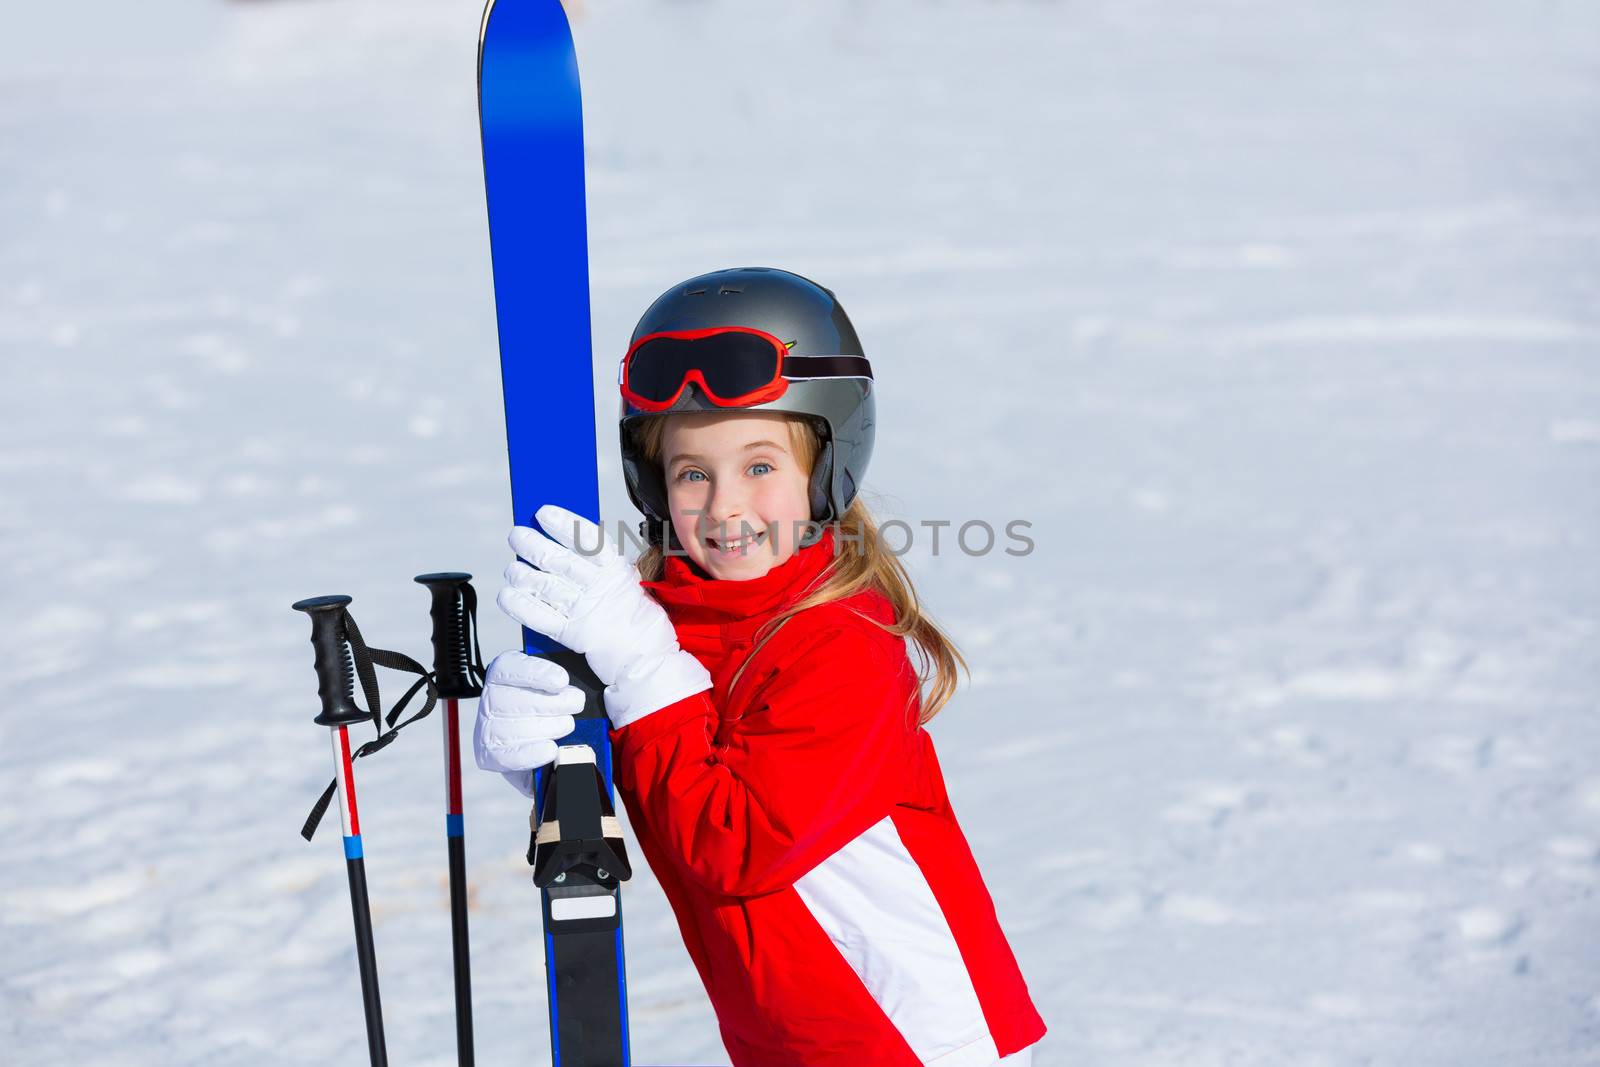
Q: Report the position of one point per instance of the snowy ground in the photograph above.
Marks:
(1277, 320)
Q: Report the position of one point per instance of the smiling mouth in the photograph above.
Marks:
(737, 545)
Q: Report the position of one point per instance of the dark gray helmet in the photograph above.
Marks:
(836, 393)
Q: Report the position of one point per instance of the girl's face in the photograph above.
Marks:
(738, 495)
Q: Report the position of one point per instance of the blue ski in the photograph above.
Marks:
(531, 118)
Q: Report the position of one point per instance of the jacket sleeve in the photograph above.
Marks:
(818, 755)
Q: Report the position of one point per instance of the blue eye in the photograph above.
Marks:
(684, 475)
(753, 466)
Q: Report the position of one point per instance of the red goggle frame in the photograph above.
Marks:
(734, 366)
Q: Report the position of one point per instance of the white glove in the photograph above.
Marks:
(591, 602)
(526, 707)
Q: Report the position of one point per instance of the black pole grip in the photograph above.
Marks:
(452, 659)
(336, 675)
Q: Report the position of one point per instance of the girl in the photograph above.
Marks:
(766, 719)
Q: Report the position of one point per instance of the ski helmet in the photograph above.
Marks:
(755, 339)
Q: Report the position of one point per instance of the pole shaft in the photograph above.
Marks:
(367, 959)
(360, 909)
(455, 839)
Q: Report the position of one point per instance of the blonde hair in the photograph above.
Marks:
(861, 562)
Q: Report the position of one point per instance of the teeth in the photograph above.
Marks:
(733, 546)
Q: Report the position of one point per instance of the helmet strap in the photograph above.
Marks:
(658, 533)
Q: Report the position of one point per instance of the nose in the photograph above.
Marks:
(724, 510)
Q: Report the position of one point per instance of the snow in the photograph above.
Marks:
(1276, 321)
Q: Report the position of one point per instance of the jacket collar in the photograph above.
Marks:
(690, 596)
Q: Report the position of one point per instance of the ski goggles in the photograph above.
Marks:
(733, 366)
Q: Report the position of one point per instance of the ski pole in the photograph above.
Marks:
(336, 687)
(452, 612)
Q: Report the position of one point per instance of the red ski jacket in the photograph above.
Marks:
(799, 826)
